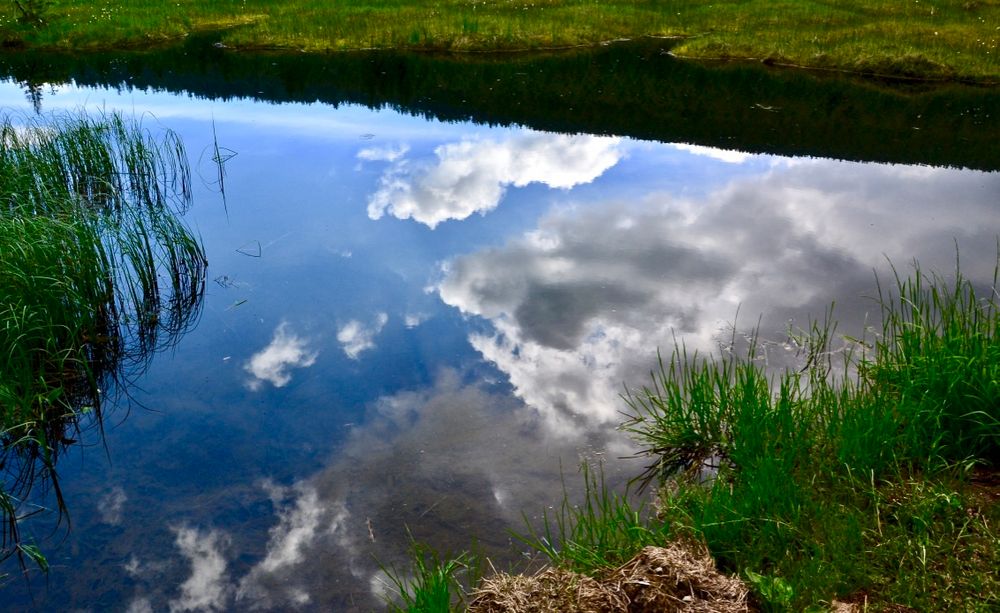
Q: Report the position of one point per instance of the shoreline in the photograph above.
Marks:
(889, 78)
(938, 41)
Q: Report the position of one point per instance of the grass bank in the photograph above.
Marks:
(937, 39)
(97, 272)
(867, 478)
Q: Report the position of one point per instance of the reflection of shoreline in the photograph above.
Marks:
(667, 101)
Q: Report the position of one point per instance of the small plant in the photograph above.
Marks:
(604, 530)
(775, 593)
(434, 583)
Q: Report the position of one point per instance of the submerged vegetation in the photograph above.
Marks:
(97, 272)
(937, 39)
(867, 477)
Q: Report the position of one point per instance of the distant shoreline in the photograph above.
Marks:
(940, 42)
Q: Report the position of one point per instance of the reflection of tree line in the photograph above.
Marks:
(632, 89)
(97, 273)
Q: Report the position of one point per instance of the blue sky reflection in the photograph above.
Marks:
(437, 316)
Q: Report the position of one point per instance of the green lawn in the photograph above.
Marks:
(920, 38)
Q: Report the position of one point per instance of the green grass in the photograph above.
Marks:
(939, 361)
(868, 475)
(433, 582)
(602, 531)
(97, 272)
(943, 39)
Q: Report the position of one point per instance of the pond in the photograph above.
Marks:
(415, 324)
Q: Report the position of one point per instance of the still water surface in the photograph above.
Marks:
(412, 325)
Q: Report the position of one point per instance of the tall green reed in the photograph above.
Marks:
(939, 358)
(97, 272)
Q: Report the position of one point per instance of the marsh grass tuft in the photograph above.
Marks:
(97, 272)
(938, 358)
(433, 582)
(601, 531)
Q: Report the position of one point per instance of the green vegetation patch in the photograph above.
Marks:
(852, 478)
(937, 39)
(97, 272)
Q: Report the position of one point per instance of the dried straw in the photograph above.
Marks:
(679, 577)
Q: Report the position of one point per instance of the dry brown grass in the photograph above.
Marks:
(552, 590)
(679, 577)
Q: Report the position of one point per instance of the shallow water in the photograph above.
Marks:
(415, 325)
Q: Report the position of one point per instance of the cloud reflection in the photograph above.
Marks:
(452, 454)
(208, 587)
(471, 176)
(383, 154)
(111, 505)
(302, 519)
(140, 605)
(272, 363)
(355, 337)
(730, 156)
(580, 304)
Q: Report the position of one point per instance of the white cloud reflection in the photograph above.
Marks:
(302, 519)
(208, 587)
(111, 505)
(730, 156)
(140, 605)
(449, 454)
(355, 337)
(581, 304)
(272, 363)
(471, 176)
(383, 154)
(412, 320)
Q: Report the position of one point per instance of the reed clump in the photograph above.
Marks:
(97, 272)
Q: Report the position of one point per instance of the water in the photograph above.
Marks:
(414, 324)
